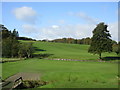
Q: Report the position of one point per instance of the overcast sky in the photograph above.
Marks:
(51, 20)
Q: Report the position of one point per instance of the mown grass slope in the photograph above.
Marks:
(67, 51)
(66, 74)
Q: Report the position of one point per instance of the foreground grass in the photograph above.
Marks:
(67, 74)
(67, 51)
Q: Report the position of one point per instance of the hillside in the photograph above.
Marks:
(67, 51)
(66, 74)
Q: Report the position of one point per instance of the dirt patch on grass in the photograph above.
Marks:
(29, 80)
(31, 84)
(25, 76)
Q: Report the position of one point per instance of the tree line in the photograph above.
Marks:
(73, 41)
(12, 47)
(86, 41)
(26, 38)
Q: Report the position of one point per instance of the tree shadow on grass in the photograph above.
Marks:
(41, 56)
(110, 58)
(37, 49)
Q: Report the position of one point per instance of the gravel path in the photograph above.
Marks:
(83, 60)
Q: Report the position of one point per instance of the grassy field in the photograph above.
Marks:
(67, 74)
(68, 51)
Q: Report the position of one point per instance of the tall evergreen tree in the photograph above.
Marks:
(11, 47)
(101, 41)
(9, 42)
(15, 33)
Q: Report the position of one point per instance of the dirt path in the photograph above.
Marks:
(25, 76)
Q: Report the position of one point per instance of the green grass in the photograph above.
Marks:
(68, 51)
(67, 74)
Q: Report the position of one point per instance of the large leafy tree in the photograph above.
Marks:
(26, 50)
(101, 41)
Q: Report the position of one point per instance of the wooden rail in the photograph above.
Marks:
(17, 82)
(9, 85)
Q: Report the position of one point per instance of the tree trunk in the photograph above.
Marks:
(100, 55)
(28, 54)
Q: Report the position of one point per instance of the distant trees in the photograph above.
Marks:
(86, 41)
(26, 50)
(116, 48)
(101, 41)
(119, 48)
(11, 47)
(26, 38)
